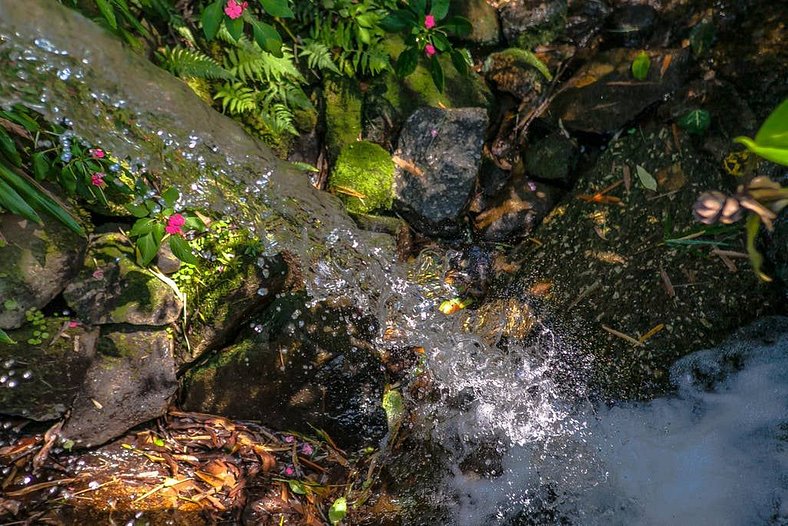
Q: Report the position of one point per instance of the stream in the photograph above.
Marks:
(506, 437)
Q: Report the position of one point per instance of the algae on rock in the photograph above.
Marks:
(363, 177)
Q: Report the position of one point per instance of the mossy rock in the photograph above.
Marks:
(342, 105)
(363, 178)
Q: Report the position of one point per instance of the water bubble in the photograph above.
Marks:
(9, 363)
(64, 74)
(12, 383)
(262, 291)
(27, 375)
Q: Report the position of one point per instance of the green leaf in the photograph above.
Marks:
(419, 7)
(460, 61)
(441, 42)
(13, 202)
(436, 70)
(170, 196)
(107, 12)
(36, 196)
(8, 148)
(194, 223)
(363, 35)
(267, 37)
(701, 37)
(338, 511)
(646, 179)
(751, 227)
(234, 27)
(439, 9)
(394, 405)
(407, 62)
(277, 8)
(147, 247)
(695, 121)
(641, 65)
(41, 166)
(296, 486)
(143, 226)
(212, 19)
(458, 26)
(5, 338)
(181, 249)
(771, 141)
(398, 21)
(137, 210)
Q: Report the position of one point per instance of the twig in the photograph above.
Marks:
(623, 336)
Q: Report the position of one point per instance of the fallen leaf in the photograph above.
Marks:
(646, 179)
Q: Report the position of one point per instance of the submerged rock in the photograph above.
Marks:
(35, 265)
(297, 367)
(130, 382)
(603, 96)
(45, 369)
(438, 161)
(112, 288)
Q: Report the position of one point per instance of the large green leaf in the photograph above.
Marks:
(211, 19)
(407, 62)
(143, 226)
(8, 148)
(37, 196)
(181, 249)
(752, 226)
(458, 26)
(397, 21)
(267, 37)
(107, 12)
(234, 27)
(4, 338)
(436, 70)
(439, 9)
(13, 202)
(461, 61)
(147, 247)
(277, 8)
(771, 141)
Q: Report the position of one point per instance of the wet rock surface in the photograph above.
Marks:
(131, 381)
(112, 288)
(552, 159)
(35, 265)
(296, 367)
(41, 374)
(529, 22)
(438, 160)
(511, 71)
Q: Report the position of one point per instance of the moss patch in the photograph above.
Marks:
(343, 104)
(364, 178)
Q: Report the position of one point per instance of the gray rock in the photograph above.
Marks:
(130, 382)
(166, 261)
(40, 376)
(112, 288)
(516, 210)
(603, 96)
(585, 19)
(437, 163)
(486, 27)
(304, 367)
(527, 23)
(552, 159)
(35, 265)
(630, 25)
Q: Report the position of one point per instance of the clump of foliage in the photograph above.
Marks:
(426, 32)
(761, 198)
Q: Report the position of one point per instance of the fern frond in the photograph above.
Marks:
(236, 98)
(191, 63)
(279, 118)
(318, 56)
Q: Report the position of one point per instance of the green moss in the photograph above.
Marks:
(364, 169)
(343, 105)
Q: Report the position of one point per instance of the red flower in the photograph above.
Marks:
(234, 10)
(429, 49)
(429, 21)
(174, 224)
(97, 179)
(97, 153)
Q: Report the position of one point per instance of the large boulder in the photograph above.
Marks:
(130, 382)
(438, 160)
(619, 268)
(603, 96)
(35, 265)
(112, 288)
(45, 369)
(297, 367)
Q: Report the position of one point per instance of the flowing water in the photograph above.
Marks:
(519, 441)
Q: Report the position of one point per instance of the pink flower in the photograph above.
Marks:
(429, 49)
(429, 21)
(73, 324)
(234, 10)
(289, 471)
(98, 274)
(307, 449)
(289, 439)
(97, 153)
(97, 179)
(174, 224)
